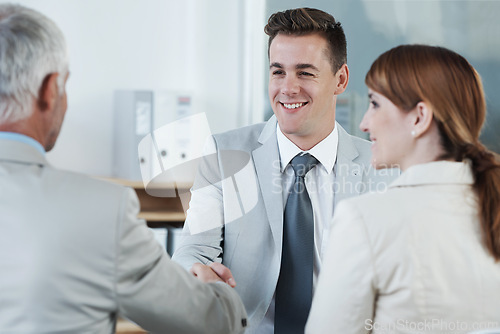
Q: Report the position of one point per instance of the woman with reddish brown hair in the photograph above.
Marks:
(425, 255)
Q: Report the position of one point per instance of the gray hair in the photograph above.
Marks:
(31, 47)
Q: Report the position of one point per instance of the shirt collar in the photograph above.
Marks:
(437, 172)
(23, 139)
(325, 151)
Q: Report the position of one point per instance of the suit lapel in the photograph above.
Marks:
(349, 175)
(267, 165)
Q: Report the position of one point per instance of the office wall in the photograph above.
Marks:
(192, 46)
(216, 50)
(470, 27)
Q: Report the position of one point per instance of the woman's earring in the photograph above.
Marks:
(413, 133)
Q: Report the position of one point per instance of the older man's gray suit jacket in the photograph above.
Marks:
(73, 256)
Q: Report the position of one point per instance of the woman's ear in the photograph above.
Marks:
(342, 76)
(422, 119)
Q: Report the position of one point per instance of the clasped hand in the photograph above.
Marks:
(215, 272)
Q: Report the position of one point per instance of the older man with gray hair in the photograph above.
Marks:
(73, 254)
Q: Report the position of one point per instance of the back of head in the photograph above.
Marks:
(447, 82)
(31, 47)
(304, 21)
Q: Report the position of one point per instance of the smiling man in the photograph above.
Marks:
(301, 164)
(303, 87)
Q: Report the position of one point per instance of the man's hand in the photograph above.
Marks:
(216, 272)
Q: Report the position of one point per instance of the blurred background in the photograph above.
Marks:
(137, 65)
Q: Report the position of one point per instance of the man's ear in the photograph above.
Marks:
(48, 93)
(343, 78)
(423, 118)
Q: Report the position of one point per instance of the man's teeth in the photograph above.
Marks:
(293, 105)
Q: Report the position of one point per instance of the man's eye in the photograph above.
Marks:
(278, 72)
(374, 104)
(305, 73)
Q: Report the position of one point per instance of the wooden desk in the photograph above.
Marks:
(158, 211)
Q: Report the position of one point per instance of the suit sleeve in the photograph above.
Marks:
(161, 296)
(344, 297)
(203, 232)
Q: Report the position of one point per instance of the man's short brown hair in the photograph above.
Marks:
(303, 21)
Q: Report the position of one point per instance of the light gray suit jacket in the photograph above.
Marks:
(247, 206)
(74, 256)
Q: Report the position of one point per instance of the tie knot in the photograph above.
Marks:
(302, 164)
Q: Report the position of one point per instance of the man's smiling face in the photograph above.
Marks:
(303, 87)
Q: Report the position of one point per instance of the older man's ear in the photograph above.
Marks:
(48, 93)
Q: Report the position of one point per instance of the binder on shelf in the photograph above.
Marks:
(137, 114)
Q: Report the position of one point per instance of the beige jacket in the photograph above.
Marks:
(410, 260)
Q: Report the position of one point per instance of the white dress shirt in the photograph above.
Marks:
(320, 184)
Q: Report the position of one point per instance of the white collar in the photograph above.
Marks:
(325, 151)
(437, 172)
(19, 137)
